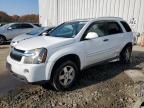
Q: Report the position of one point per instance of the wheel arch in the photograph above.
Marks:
(72, 57)
(128, 44)
(3, 36)
(3, 39)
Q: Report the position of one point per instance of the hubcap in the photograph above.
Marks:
(67, 75)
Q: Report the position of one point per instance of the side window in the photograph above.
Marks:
(15, 26)
(99, 28)
(126, 26)
(113, 28)
(24, 26)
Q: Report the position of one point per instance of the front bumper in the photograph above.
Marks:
(28, 72)
(22, 78)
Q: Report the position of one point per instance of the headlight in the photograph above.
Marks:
(36, 56)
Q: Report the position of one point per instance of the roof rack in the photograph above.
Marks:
(110, 17)
(82, 19)
(87, 19)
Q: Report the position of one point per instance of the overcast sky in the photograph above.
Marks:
(19, 7)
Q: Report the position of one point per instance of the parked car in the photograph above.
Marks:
(70, 48)
(1, 24)
(39, 25)
(42, 31)
(11, 30)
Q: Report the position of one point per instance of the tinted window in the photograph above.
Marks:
(113, 28)
(15, 26)
(26, 26)
(126, 26)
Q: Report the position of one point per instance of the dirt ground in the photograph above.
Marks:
(103, 86)
(4, 50)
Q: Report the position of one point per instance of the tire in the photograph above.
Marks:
(2, 40)
(64, 76)
(125, 55)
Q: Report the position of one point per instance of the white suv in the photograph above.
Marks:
(70, 48)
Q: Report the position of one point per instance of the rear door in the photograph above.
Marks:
(115, 36)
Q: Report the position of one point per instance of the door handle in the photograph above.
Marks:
(105, 40)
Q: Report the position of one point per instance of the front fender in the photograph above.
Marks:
(61, 53)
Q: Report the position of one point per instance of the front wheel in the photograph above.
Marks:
(65, 76)
(125, 56)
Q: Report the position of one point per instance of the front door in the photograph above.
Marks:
(96, 48)
(103, 47)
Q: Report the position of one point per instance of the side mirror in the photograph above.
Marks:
(9, 28)
(91, 35)
(44, 34)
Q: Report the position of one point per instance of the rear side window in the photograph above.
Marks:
(26, 26)
(113, 28)
(126, 26)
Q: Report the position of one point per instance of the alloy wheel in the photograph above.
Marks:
(67, 75)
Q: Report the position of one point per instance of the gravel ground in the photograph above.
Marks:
(102, 86)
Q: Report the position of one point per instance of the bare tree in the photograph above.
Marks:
(4, 17)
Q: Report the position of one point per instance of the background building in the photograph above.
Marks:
(53, 12)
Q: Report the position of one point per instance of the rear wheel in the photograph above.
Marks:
(65, 76)
(125, 56)
(2, 40)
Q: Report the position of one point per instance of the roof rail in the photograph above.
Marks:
(82, 19)
(110, 17)
(87, 19)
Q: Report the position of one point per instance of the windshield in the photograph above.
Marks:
(36, 31)
(68, 30)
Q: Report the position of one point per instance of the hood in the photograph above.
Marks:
(20, 38)
(23, 37)
(43, 41)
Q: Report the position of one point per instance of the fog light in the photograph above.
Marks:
(26, 71)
